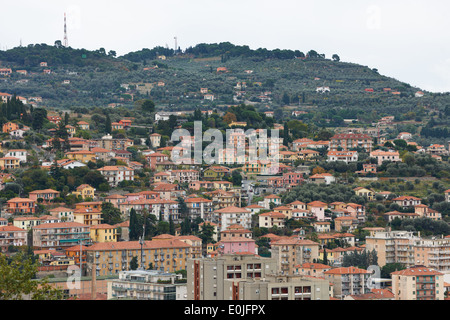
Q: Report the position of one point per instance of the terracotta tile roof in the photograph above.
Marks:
(135, 245)
(348, 270)
(313, 266)
(317, 204)
(103, 226)
(60, 225)
(10, 228)
(232, 209)
(19, 200)
(417, 271)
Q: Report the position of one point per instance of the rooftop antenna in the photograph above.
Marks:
(66, 42)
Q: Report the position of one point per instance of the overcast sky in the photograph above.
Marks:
(404, 39)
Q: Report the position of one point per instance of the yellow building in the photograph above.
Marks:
(88, 216)
(85, 191)
(9, 163)
(216, 172)
(82, 156)
(108, 258)
(364, 192)
(103, 233)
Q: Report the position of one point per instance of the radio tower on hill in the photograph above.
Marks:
(66, 42)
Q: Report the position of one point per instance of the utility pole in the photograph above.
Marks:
(141, 242)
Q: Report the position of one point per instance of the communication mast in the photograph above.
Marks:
(66, 41)
(176, 45)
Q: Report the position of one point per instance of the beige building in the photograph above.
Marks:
(12, 236)
(290, 252)
(393, 247)
(418, 283)
(60, 235)
(348, 281)
(433, 253)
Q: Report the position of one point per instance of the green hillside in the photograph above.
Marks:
(274, 78)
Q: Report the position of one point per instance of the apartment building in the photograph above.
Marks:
(85, 191)
(278, 287)
(393, 247)
(222, 199)
(168, 209)
(115, 174)
(312, 269)
(103, 233)
(20, 206)
(407, 201)
(12, 236)
(21, 154)
(60, 235)
(347, 141)
(9, 163)
(271, 219)
(210, 278)
(418, 283)
(345, 156)
(348, 281)
(290, 252)
(46, 195)
(28, 222)
(88, 216)
(433, 253)
(393, 156)
(231, 215)
(199, 207)
(109, 258)
(147, 285)
(234, 231)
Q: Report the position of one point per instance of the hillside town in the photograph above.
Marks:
(329, 217)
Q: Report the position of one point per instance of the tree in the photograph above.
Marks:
(58, 44)
(17, 283)
(148, 106)
(229, 117)
(388, 268)
(111, 215)
(134, 263)
(171, 226)
(39, 117)
(207, 233)
(285, 99)
(135, 226)
(236, 178)
(108, 126)
(335, 57)
(325, 256)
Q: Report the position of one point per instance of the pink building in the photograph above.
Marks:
(47, 195)
(237, 245)
(317, 208)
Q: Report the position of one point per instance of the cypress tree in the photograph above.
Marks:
(108, 127)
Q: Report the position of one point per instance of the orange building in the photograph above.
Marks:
(10, 126)
(20, 206)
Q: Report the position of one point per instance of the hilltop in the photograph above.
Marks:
(228, 74)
